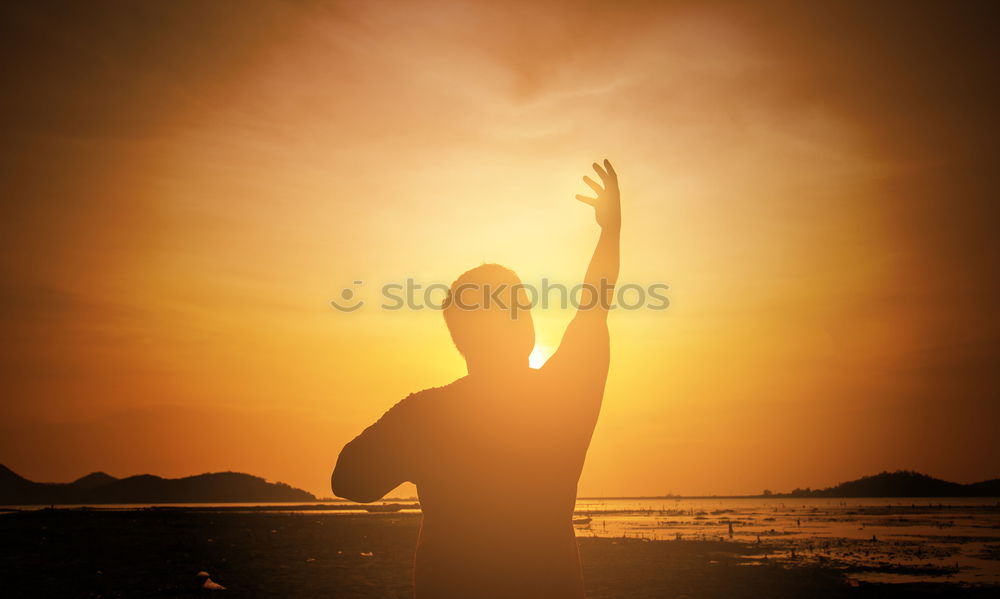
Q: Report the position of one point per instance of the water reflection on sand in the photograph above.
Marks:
(882, 539)
(875, 540)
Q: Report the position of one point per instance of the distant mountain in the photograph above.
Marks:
(93, 480)
(12, 481)
(903, 483)
(101, 488)
(986, 488)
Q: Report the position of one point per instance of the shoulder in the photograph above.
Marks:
(432, 393)
(426, 399)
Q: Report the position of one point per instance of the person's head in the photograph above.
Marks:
(489, 317)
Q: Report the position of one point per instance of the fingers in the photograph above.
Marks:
(593, 185)
(608, 176)
(601, 172)
(610, 169)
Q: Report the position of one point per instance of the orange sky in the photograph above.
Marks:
(186, 187)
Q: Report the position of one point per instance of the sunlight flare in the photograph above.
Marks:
(538, 356)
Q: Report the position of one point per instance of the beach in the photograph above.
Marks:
(160, 552)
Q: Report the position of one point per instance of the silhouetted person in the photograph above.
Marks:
(496, 455)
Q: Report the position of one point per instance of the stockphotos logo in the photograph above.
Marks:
(411, 295)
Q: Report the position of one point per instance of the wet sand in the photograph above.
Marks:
(159, 552)
(876, 539)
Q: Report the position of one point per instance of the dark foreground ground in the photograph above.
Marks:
(159, 553)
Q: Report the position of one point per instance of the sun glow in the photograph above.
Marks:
(539, 355)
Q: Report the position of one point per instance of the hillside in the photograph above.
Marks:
(101, 488)
(903, 483)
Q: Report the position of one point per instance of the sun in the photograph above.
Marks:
(539, 355)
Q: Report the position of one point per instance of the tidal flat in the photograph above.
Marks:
(174, 552)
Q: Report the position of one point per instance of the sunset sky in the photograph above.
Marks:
(185, 186)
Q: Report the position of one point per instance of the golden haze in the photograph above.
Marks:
(177, 224)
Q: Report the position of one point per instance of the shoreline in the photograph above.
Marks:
(412, 503)
(128, 553)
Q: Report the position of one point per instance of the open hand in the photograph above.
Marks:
(607, 204)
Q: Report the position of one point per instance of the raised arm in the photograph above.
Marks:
(584, 352)
(602, 274)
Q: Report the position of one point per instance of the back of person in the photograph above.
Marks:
(496, 455)
(498, 467)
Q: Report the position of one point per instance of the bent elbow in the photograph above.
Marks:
(346, 483)
(346, 489)
(341, 486)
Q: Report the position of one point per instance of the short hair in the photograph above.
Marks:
(483, 312)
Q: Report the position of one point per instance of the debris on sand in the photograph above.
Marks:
(211, 585)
